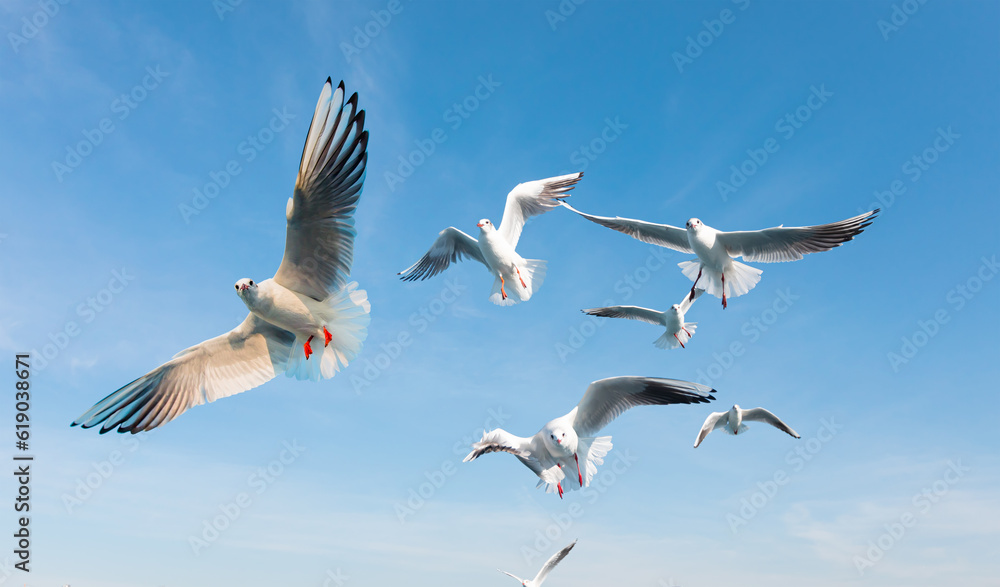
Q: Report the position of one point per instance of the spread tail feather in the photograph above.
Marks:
(667, 341)
(346, 315)
(740, 278)
(533, 274)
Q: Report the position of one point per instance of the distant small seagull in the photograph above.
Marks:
(732, 422)
(546, 569)
(678, 331)
(309, 297)
(716, 249)
(495, 249)
(565, 442)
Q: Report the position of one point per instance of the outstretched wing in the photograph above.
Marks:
(319, 238)
(714, 421)
(518, 579)
(451, 245)
(531, 199)
(663, 235)
(778, 244)
(762, 415)
(689, 299)
(551, 564)
(628, 312)
(607, 399)
(245, 357)
(502, 441)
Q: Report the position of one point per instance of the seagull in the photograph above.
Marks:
(546, 569)
(565, 442)
(495, 247)
(732, 422)
(309, 299)
(678, 331)
(716, 249)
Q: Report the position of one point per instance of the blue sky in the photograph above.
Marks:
(95, 245)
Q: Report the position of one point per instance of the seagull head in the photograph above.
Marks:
(676, 308)
(244, 285)
(485, 225)
(694, 224)
(557, 436)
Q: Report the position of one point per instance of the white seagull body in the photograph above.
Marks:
(545, 570)
(715, 271)
(568, 443)
(308, 298)
(677, 332)
(733, 422)
(517, 278)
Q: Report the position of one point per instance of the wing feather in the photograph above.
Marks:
(662, 235)
(762, 415)
(713, 421)
(607, 399)
(551, 564)
(629, 313)
(245, 357)
(319, 238)
(779, 244)
(531, 199)
(451, 245)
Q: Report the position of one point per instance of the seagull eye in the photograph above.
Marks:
(237, 287)
(251, 282)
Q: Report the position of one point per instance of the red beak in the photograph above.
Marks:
(479, 224)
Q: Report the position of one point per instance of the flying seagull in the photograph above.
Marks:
(716, 249)
(546, 569)
(732, 422)
(678, 331)
(562, 444)
(307, 321)
(495, 247)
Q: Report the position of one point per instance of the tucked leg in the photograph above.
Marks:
(723, 291)
(696, 281)
(308, 348)
(578, 471)
(327, 336)
(523, 284)
(503, 292)
(679, 341)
